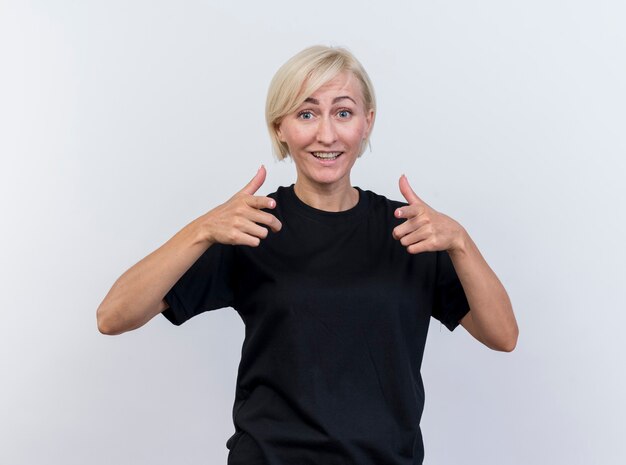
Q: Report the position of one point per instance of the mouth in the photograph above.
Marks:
(326, 155)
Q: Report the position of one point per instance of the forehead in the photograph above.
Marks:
(345, 83)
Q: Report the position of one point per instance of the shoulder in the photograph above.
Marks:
(382, 209)
(283, 202)
(378, 201)
(280, 192)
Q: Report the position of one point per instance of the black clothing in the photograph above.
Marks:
(336, 314)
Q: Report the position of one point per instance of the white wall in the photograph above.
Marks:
(120, 122)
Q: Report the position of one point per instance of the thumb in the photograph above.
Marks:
(408, 193)
(256, 182)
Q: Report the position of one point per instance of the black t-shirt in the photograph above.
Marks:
(336, 314)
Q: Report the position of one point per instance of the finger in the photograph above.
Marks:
(260, 202)
(403, 229)
(409, 211)
(408, 193)
(253, 229)
(256, 182)
(414, 237)
(246, 239)
(239, 237)
(266, 219)
(410, 225)
(422, 246)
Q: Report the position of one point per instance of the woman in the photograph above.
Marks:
(336, 285)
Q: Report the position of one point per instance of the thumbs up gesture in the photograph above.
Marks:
(238, 221)
(425, 229)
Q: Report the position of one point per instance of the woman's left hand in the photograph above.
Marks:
(425, 229)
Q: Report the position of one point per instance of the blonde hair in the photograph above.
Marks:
(301, 76)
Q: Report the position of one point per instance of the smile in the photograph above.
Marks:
(326, 155)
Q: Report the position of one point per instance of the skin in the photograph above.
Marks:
(491, 319)
(137, 295)
(335, 120)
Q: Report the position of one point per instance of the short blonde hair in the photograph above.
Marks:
(301, 76)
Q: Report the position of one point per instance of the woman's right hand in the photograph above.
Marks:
(235, 221)
(137, 295)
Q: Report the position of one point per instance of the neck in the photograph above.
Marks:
(332, 198)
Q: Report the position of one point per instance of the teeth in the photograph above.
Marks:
(326, 155)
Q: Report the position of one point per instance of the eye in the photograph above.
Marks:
(306, 114)
(344, 113)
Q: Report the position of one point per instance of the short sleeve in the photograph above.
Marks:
(206, 285)
(450, 303)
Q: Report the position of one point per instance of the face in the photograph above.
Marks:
(325, 133)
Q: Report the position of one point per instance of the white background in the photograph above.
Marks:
(121, 121)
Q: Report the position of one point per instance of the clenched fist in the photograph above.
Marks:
(425, 229)
(238, 221)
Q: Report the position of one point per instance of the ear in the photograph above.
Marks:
(369, 120)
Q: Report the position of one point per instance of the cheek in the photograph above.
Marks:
(355, 135)
(299, 136)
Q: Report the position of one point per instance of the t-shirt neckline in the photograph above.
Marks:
(352, 213)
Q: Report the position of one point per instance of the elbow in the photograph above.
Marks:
(508, 347)
(509, 344)
(106, 330)
(107, 322)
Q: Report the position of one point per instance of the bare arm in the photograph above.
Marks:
(137, 296)
(491, 319)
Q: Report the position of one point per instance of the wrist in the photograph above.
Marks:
(202, 232)
(461, 244)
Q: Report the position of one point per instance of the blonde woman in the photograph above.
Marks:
(336, 285)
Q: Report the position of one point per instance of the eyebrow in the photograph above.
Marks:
(314, 101)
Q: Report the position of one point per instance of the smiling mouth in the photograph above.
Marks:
(326, 155)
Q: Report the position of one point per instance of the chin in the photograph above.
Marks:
(329, 180)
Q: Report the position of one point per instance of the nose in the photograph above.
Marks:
(326, 133)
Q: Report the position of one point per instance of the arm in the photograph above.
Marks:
(137, 296)
(490, 319)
